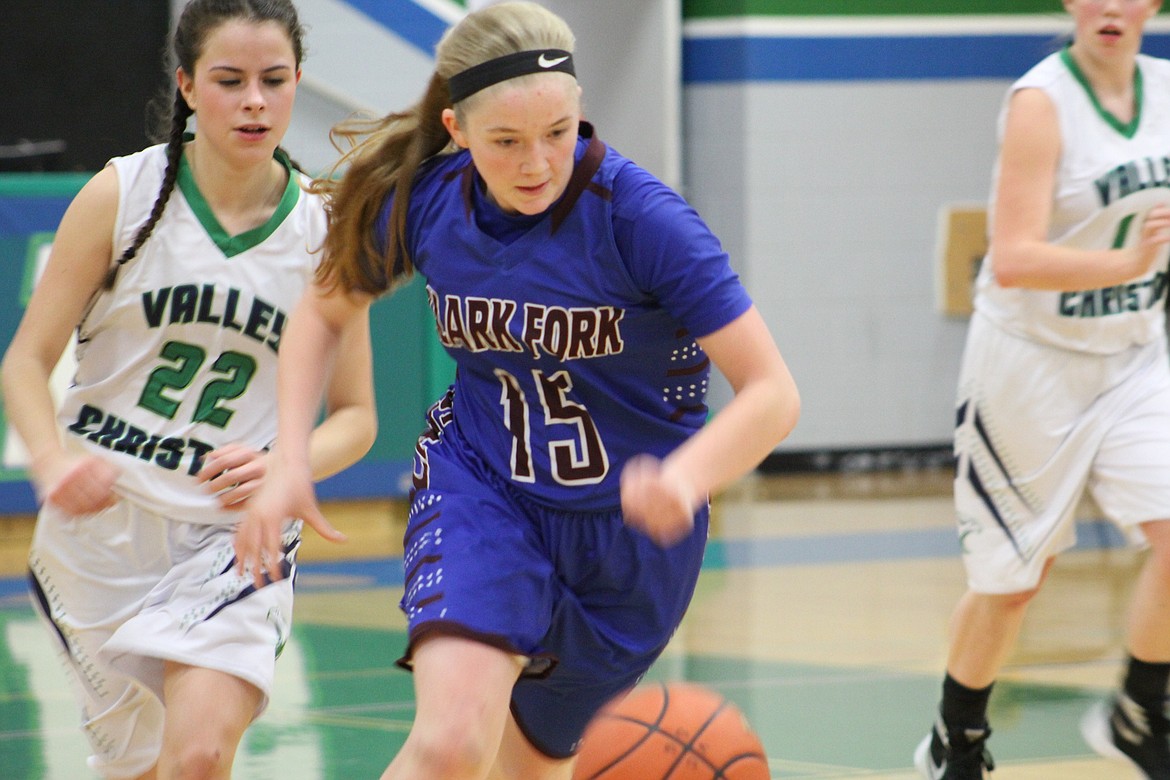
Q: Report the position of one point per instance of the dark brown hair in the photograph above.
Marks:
(196, 23)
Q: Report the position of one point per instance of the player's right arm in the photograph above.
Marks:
(324, 355)
(1019, 248)
(78, 262)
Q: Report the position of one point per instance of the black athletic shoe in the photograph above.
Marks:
(1122, 728)
(954, 755)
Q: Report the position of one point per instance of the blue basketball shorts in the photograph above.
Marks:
(591, 602)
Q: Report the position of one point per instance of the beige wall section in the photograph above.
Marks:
(962, 243)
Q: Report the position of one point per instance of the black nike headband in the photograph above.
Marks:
(467, 83)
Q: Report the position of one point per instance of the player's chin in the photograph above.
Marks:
(531, 201)
(531, 209)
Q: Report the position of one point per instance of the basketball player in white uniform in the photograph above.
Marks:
(178, 266)
(1065, 381)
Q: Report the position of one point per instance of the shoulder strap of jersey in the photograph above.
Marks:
(582, 175)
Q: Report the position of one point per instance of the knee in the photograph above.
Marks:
(1014, 602)
(999, 606)
(195, 761)
(1019, 600)
(450, 751)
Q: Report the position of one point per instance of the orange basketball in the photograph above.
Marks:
(676, 731)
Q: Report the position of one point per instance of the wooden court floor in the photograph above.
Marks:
(821, 611)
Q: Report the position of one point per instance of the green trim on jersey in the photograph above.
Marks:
(234, 245)
(1127, 130)
(713, 9)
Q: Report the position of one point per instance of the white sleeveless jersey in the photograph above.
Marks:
(1108, 177)
(180, 357)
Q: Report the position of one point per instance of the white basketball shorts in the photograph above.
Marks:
(1035, 427)
(123, 591)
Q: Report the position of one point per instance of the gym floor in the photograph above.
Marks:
(821, 612)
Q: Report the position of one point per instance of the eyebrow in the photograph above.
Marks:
(506, 129)
(233, 69)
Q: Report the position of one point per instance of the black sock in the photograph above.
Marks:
(1146, 683)
(964, 708)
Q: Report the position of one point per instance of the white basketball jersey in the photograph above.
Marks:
(1108, 177)
(180, 357)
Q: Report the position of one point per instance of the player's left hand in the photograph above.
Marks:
(656, 501)
(233, 473)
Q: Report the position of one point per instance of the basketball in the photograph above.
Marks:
(672, 731)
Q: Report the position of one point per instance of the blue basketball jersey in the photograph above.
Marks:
(573, 330)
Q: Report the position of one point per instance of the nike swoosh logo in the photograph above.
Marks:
(544, 62)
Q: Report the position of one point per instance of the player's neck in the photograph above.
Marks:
(241, 197)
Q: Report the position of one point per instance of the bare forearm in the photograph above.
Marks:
(1041, 266)
(327, 358)
(29, 406)
(341, 440)
(306, 360)
(737, 439)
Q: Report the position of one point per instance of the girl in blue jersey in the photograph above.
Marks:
(1065, 382)
(176, 267)
(560, 501)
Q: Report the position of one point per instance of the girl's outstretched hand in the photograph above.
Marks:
(281, 498)
(656, 501)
